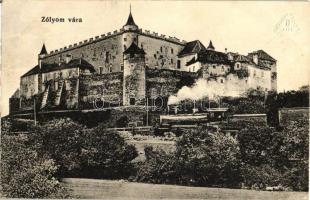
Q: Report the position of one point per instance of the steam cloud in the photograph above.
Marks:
(203, 88)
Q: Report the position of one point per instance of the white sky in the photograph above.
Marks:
(282, 29)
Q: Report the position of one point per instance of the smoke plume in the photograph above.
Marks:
(211, 89)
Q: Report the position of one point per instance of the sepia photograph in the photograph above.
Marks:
(155, 99)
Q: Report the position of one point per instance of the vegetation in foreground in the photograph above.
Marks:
(33, 161)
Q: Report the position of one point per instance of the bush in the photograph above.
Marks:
(159, 167)
(24, 174)
(201, 158)
(260, 176)
(105, 154)
(207, 158)
(60, 139)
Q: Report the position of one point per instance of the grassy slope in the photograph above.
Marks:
(106, 189)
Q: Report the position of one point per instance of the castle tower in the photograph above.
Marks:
(41, 55)
(134, 76)
(130, 34)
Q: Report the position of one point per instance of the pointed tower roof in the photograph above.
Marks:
(210, 45)
(134, 49)
(130, 20)
(43, 50)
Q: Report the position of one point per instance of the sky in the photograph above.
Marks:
(279, 28)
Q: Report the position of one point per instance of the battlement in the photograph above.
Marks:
(162, 36)
(85, 42)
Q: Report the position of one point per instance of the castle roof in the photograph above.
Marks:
(210, 56)
(80, 63)
(134, 49)
(210, 45)
(43, 50)
(192, 47)
(262, 55)
(130, 20)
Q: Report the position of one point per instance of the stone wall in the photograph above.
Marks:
(105, 53)
(161, 83)
(100, 88)
(29, 86)
(159, 53)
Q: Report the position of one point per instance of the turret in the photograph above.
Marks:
(130, 32)
(210, 47)
(134, 76)
(41, 55)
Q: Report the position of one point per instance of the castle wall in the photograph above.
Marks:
(105, 53)
(29, 86)
(99, 88)
(160, 84)
(159, 53)
(259, 78)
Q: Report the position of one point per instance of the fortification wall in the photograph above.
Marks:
(29, 86)
(161, 52)
(163, 83)
(100, 88)
(105, 52)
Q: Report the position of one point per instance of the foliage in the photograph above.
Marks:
(61, 140)
(201, 158)
(208, 158)
(26, 175)
(262, 176)
(262, 145)
(299, 98)
(159, 167)
(105, 154)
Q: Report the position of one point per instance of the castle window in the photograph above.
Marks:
(222, 68)
(125, 47)
(254, 74)
(110, 68)
(237, 65)
(214, 66)
(107, 56)
(171, 51)
(122, 67)
(179, 64)
(100, 70)
(161, 49)
(155, 56)
(132, 101)
(171, 61)
(222, 81)
(125, 39)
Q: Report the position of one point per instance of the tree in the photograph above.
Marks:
(262, 145)
(105, 154)
(207, 158)
(26, 175)
(61, 139)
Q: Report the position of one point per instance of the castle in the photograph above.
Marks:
(126, 67)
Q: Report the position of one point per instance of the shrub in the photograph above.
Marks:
(159, 167)
(201, 158)
(207, 158)
(24, 174)
(60, 139)
(105, 154)
(261, 176)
